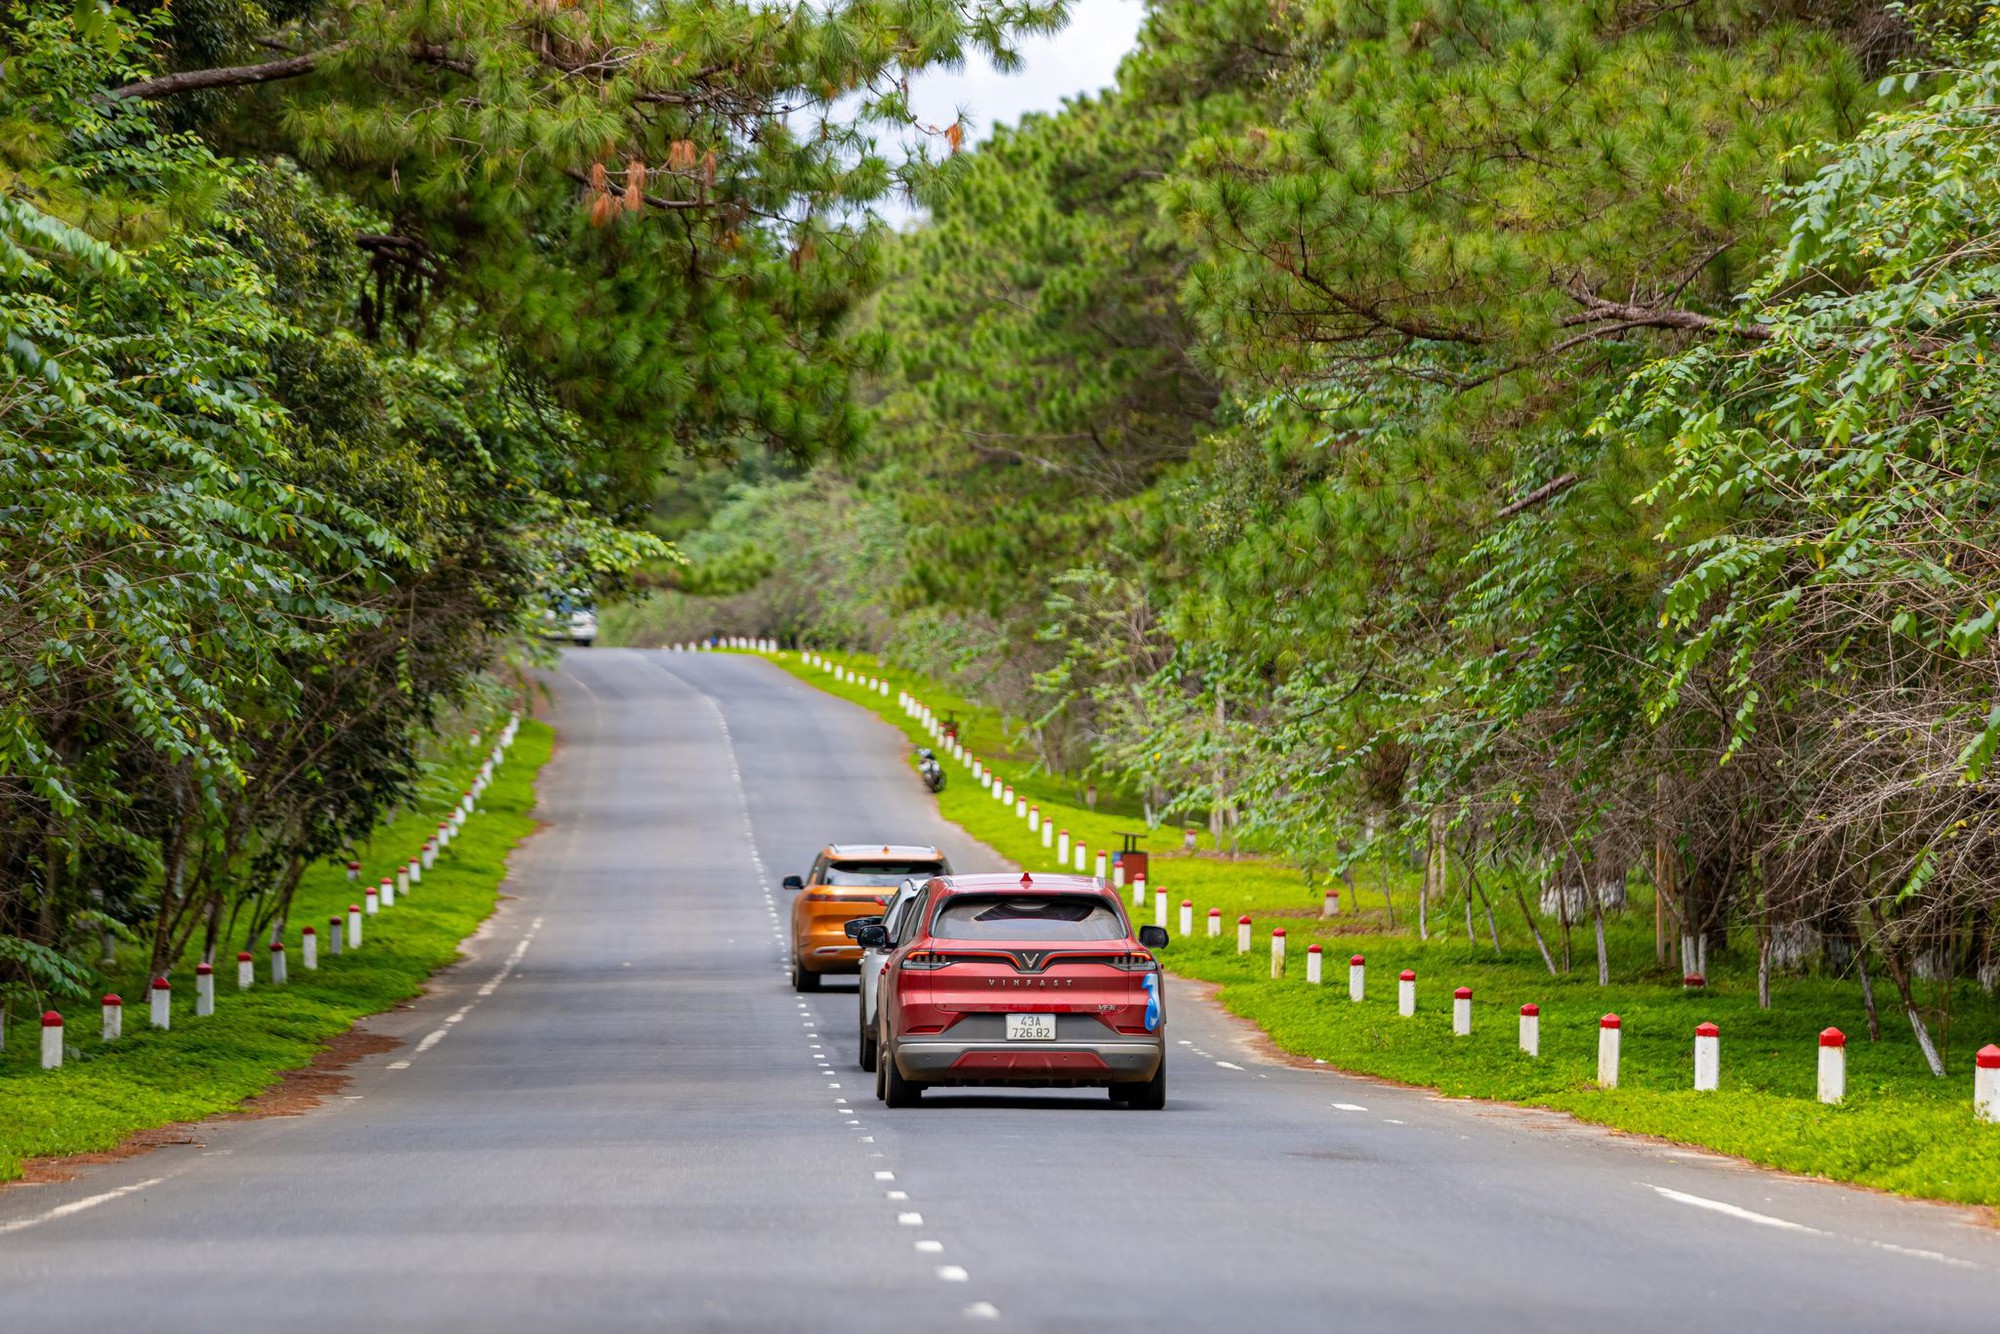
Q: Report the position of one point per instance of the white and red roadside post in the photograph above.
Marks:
(1020, 808)
(1062, 847)
(428, 854)
(416, 871)
(1160, 910)
(1007, 793)
(443, 836)
(401, 885)
(114, 1018)
(204, 990)
(52, 1040)
(1082, 856)
(353, 926)
(1608, 1030)
(160, 1004)
(1531, 1029)
(1139, 890)
(1187, 917)
(1034, 819)
(1330, 907)
(246, 971)
(1100, 866)
(1118, 873)
(1832, 1066)
(1243, 935)
(1461, 1012)
(353, 870)
(1277, 951)
(1048, 833)
(333, 935)
(1707, 1058)
(278, 976)
(1215, 921)
(1357, 978)
(309, 950)
(1986, 1083)
(374, 902)
(1406, 993)
(1314, 956)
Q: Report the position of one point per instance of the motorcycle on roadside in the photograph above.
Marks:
(928, 766)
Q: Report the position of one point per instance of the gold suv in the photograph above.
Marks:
(848, 880)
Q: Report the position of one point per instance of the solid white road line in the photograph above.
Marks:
(77, 1206)
(1787, 1225)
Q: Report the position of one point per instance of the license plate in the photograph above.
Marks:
(1031, 1028)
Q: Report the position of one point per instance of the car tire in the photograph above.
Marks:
(1120, 1093)
(881, 1075)
(896, 1090)
(1150, 1096)
(583, 643)
(803, 978)
(867, 1045)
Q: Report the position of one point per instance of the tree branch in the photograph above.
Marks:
(228, 76)
(1596, 309)
(1546, 491)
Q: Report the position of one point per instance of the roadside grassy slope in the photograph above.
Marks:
(1900, 1129)
(105, 1092)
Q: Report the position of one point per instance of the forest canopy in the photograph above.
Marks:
(1556, 433)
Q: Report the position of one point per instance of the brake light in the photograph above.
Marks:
(925, 961)
(1135, 962)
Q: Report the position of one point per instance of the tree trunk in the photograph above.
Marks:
(1868, 999)
(1597, 920)
(1899, 973)
(1533, 929)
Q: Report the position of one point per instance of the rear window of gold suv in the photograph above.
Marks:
(880, 874)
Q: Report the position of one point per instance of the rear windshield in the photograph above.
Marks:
(1029, 917)
(881, 874)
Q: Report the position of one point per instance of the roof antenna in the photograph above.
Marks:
(1026, 880)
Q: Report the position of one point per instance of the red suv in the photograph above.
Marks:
(1024, 981)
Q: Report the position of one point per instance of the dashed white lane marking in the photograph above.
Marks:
(1226, 1065)
(931, 1247)
(1734, 1211)
(885, 1176)
(910, 1219)
(77, 1206)
(399, 1065)
(1392, 1121)
(983, 1311)
(952, 1273)
(1349, 1107)
(897, 1195)
(1787, 1225)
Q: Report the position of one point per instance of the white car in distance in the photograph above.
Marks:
(895, 913)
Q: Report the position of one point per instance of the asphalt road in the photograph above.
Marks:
(630, 1122)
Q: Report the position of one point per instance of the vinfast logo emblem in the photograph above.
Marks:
(1030, 961)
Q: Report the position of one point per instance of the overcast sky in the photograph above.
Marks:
(1082, 58)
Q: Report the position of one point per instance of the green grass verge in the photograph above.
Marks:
(1900, 1129)
(106, 1092)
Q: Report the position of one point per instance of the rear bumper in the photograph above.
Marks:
(1031, 1065)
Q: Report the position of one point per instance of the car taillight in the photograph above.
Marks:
(924, 961)
(1136, 963)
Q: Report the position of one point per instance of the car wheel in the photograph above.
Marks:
(583, 643)
(867, 1045)
(1150, 1096)
(803, 978)
(896, 1090)
(881, 1074)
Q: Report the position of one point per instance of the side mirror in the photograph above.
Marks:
(870, 933)
(854, 924)
(1153, 937)
(793, 882)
